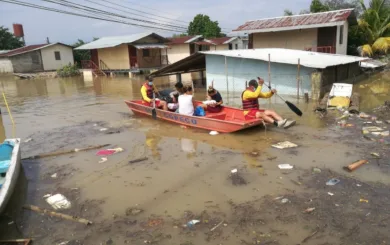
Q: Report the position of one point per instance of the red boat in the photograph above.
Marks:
(227, 121)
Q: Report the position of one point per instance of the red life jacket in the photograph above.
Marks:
(249, 103)
(149, 90)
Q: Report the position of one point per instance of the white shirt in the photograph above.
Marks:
(186, 107)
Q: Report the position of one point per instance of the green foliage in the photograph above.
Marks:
(288, 12)
(179, 35)
(68, 71)
(80, 55)
(317, 6)
(8, 41)
(203, 25)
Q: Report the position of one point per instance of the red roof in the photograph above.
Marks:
(220, 40)
(180, 40)
(205, 43)
(22, 50)
(298, 21)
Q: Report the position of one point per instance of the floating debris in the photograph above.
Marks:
(333, 181)
(285, 200)
(372, 129)
(309, 210)
(191, 223)
(58, 201)
(284, 145)
(214, 133)
(103, 159)
(316, 170)
(330, 194)
(103, 129)
(109, 151)
(384, 133)
(133, 211)
(54, 176)
(374, 154)
(27, 140)
(285, 166)
(363, 200)
(355, 165)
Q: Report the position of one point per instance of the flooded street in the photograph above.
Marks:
(186, 174)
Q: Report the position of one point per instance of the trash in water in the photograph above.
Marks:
(103, 129)
(284, 145)
(58, 201)
(309, 210)
(285, 166)
(233, 171)
(384, 133)
(372, 129)
(27, 140)
(277, 198)
(358, 185)
(54, 176)
(138, 160)
(214, 133)
(113, 132)
(285, 200)
(367, 123)
(191, 223)
(368, 138)
(330, 194)
(133, 211)
(363, 115)
(363, 200)
(374, 118)
(350, 125)
(374, 154)
(109, 152)
(333, 181)
(316, 170)
(103, 159)
(378, 122)
(355, 165)
(95, 125)
(343, 123)
(236, 178)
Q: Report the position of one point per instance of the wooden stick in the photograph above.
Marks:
(57, 153)
(215, 227)
(55, 214)
(298, 77)
(138, 160)
(355, 165)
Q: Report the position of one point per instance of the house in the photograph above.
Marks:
(37, 58)
(142, 51)
(226, 43)
(325, 32)
(182, 47)
(291, 72)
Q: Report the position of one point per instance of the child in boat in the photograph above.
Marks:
(213, 95)
(186, 102)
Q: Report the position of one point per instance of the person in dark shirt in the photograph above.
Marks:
(213, 94)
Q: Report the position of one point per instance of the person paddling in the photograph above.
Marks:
(147, 91)
(250, 104)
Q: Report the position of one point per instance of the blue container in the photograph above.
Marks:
(5, 156)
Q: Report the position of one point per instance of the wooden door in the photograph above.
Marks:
(327, 38)
(133, 56)
(95, 56)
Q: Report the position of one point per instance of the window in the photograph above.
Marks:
(145, 52)
(57, 55)
(341, 34)
(230, 46)
(236, 46)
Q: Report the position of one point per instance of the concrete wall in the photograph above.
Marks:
(151, 61)
(48, 57)
(6, 66)
(116, 57)
(27, 62)
(342, 48)
(295, 39)
(283, 76)
(178, 52)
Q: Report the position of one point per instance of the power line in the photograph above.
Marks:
(106, 13)
(20, 3)
(124, 11)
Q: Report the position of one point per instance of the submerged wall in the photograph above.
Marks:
(283, 76)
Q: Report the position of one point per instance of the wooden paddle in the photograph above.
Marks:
(289, 104)
(154, 112)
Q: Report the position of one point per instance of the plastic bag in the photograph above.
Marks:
(199, 111)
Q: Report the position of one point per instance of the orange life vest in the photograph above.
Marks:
(249, 103)
(149, 90)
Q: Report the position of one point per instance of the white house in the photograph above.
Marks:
(37, 58)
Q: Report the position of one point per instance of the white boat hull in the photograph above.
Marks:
(11, 177)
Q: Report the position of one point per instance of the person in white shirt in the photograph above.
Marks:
(186, 102)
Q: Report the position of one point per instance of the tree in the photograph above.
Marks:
(8, 41)
(80, 55)
(288, 12)
(203, 25)
(179, 35)
(344, 4)
(317, 6)
(375, 24)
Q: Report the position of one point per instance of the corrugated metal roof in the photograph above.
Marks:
(150, 46)
(304, 21)
(290, 56)
(183, 40)
(108, 42)
(29, 48)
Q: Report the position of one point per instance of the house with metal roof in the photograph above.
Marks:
(37, 58)
(325, 32)
(291, 72)
(130, 53)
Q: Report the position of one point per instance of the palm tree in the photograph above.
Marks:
(375, 23)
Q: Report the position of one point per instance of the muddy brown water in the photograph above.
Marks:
(185, 176)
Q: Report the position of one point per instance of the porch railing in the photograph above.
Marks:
(322, 49)
(89, 64)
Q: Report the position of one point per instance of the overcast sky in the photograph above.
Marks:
(39, 24)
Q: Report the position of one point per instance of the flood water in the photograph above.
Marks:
(186, 170)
